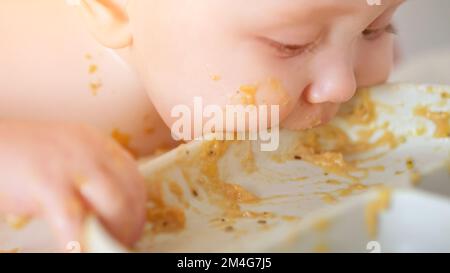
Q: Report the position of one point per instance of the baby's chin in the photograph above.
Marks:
(307, 116)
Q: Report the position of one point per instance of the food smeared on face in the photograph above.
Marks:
(247, 94)
(124, 140)
(95, 87)
(95, 83)
(92, 69)
(280, 93)
(216, 77)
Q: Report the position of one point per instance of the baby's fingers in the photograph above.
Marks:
(121, 211)
(65, 212)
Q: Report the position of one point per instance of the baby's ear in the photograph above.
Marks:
(108, 21)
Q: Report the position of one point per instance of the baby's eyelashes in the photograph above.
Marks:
(287, 50)
(372, 34)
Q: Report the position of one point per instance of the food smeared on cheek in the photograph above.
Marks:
(92, 69)
(124, 140)
(247, 94)
(95, 83)
(216, 78)
(440, 119)
(95, 87)
(281, 95)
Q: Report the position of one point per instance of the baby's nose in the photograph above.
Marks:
(334, 82)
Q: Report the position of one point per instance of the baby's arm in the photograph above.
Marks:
(62, 172)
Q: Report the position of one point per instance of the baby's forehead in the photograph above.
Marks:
(286, 10)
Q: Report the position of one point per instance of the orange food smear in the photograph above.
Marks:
(124, 140)
(327, 146)
(239, 194)
(227, 196)
(363, 111)
(248, 160)
(375, 208)
(321, 248)
(278, 87)
(16, 222)
(216, 78)
(322, 225)
(88, 56)
(176, 190)
(248, 94)
(95, 87)
(92, 69)
(164, 218)
(14, 250)
(440, 119)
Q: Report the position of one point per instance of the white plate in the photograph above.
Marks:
(245, 200)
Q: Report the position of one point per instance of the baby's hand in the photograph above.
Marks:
(63, 172)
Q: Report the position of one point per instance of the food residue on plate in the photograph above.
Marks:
(322, 225)
(16, 222)
(164, 218)
(248, 160)
(363, 110)
(375, 208)
(440, 119)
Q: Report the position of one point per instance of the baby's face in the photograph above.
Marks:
(306, 56)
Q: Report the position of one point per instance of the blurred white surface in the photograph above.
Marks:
(424, 38)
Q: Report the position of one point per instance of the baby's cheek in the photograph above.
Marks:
(271, 96)
(374, 62)
(268, 92)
